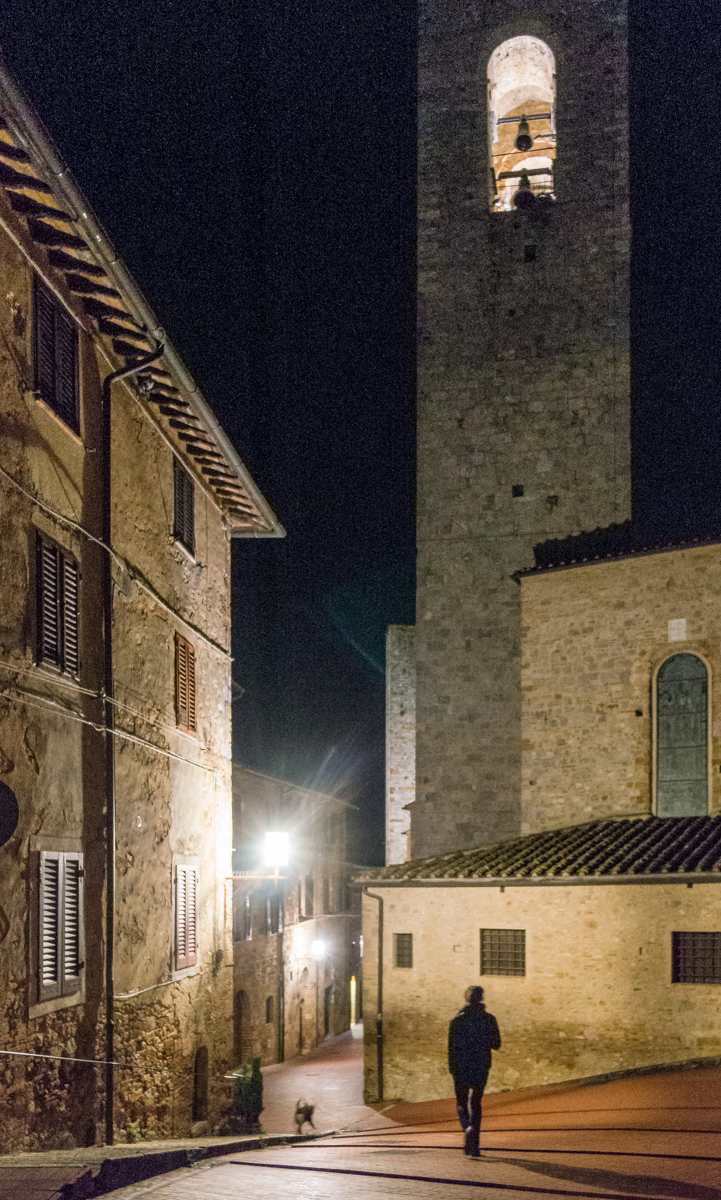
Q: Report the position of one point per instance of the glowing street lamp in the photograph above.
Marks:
(317, 949)
(277, 850)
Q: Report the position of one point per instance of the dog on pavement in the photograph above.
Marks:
(304, 1113)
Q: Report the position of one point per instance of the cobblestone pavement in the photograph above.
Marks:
(656, 1136)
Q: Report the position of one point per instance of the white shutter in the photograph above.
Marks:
(72, 923)
(49, 925)
(186, 917)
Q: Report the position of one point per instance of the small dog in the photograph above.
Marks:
(304, 1113)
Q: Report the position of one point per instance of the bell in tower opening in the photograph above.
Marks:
(522, 116)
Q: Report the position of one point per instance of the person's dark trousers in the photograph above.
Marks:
(468, 1106)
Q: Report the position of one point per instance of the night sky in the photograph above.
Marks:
(254, 164)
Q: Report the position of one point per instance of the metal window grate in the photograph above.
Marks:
(403, 949)
(503, 952)
(696, 957)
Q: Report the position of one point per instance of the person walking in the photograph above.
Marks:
(472, 1036)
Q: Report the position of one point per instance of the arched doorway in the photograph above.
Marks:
(242, 1028)
(200, 1084)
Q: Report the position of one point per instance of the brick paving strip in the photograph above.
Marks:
(83, 1174)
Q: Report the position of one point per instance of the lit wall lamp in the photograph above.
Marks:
(317, 949)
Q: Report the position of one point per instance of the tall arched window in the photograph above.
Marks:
(682, 737)
(522, 122)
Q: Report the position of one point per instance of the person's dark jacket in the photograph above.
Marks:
(472, 1035)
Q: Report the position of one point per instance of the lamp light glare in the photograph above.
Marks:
(277, 849)
(317, 948)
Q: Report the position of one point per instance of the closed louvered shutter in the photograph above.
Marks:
(72, 923)
(57, 607)
(49, 649)
(186, 917)
(56, 356)
(49, 926)
(70, 616)
(60, 924)
(184, 514)
(185, 684)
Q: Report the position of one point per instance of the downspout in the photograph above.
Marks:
(379, 993)
(108, 694)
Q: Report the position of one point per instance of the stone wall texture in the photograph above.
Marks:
(400, 739)
(173, 790)
(594, 637)
(523, 380)
(597, 995)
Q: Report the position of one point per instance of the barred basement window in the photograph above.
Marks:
(269, 1009)
(60, 924)
(184, 518)
(57, 607)
(696, 957)
(186, 917)
(503, 952)
(184, 684)
(403, 949)
(55, 354)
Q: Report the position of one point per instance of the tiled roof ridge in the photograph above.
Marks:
(620, 847)
(557, 553)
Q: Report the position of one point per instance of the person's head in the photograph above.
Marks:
(474, 997)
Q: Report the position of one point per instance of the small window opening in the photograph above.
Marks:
(403, 949)
(529, 253)
(517, 490)
(522, 124)
(269, 1009)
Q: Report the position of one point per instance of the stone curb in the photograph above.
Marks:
(117, 1173)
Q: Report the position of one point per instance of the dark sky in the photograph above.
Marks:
(254, 163)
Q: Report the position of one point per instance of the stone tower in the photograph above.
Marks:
(524, 383)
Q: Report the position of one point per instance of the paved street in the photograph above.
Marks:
(644, 1136)
(655, 1136)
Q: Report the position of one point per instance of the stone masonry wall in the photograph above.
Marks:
(523, 380)
(593, 638)
(400, 739)
(597, 995)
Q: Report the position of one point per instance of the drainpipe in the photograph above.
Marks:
(108, 693)
(379, 1014)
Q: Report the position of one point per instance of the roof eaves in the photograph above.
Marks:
(32, 133)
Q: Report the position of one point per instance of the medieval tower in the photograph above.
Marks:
(524, 380)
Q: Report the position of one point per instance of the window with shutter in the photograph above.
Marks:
(56, 356)
(185, 684)
(58, 594)
(60, 924)
(186, 917)
(184, 518)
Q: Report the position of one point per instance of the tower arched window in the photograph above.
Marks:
(682, 737)
(522, 123)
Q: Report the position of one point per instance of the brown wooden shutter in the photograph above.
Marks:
(71, 661)
(185, 684)
(49, 625)
(49, 925)
(186, 917)
(184, 515)
(56, 355)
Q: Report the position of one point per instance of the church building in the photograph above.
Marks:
(554, 787)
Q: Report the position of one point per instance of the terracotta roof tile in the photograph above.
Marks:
(644, 846)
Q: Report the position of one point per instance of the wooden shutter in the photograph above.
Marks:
(186, 917)
(56, 356)
(69, 598)
(71, 923)
(49, 926)
(185, 684)
(49, 649)
(184, 518)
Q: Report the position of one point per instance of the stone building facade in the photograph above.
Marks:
(115, 785)
(297, 944)
(598, 716)
(523, 404)
(400, 739)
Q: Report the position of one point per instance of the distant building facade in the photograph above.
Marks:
(115, 907)
(296, 940)
(400, 739)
